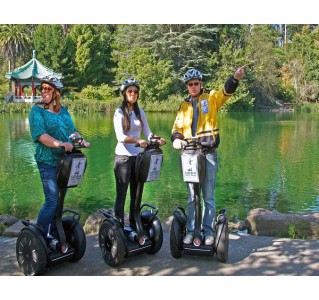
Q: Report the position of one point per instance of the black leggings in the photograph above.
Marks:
(124, 171)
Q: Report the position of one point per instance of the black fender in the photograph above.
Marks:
(157, 227)
(109, 216)
(117, 223)
(180, 216)
(37, 230)
(147, 217)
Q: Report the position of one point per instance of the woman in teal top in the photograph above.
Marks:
(50, 126)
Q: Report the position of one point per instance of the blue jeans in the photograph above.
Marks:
(48, 174)
(207, 189)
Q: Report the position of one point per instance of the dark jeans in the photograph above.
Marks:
(48, 174)
(124, 171)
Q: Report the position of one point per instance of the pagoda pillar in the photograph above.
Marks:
(20, 89)
(32, 84)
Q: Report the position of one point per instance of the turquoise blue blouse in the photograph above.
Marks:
(60, 126)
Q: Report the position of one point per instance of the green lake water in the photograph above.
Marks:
(267, 160)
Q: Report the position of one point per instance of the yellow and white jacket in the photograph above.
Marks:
(208, 107)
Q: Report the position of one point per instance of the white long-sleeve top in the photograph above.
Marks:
(135, 132)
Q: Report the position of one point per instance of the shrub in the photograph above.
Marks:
(101, 93)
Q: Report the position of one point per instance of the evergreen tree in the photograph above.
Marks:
(92, 56)
(56, 51)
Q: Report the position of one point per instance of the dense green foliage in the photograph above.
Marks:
(94, 59)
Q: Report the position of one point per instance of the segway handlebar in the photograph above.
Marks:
(193, 142)
(77, 141)
(154, 141)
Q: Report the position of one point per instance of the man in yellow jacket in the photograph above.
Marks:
(197, 117)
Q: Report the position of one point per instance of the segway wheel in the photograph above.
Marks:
(31, 255)
(112, 243)
(157, 239)
(75, 237)
(222, 242)
(176, 236)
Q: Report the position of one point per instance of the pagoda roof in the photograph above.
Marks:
(33, 68)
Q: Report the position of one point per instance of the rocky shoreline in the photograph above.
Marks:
(259, 222)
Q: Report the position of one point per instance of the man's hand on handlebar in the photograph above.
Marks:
(178, 144)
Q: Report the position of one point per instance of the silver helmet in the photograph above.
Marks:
(192, 74)
(54, 81)
(129, 82)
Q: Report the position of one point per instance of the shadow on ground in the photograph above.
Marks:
(248, 256)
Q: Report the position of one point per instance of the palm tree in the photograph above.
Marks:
(14, 41)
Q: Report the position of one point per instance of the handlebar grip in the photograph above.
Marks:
(206, 144)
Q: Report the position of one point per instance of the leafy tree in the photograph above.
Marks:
(261, 50)
(181, 46)
(302, 66)
(224, 62)
(102, 93)
(154, 76)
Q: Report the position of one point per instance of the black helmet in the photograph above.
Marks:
(129, 82)
(54, 81)
(192, 74)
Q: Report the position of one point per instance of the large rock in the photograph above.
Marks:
(6, 221)
(13, 230)
(260, 221)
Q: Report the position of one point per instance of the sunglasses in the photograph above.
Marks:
(132, 91)
(45, 89)
(193, 83)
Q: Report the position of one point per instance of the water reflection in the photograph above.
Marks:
(266, 160)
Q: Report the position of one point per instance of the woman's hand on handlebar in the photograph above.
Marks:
(142, 143)
(85, 143)
(67, 146)
(162, 141)
(158, 140)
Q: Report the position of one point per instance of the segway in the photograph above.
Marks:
(117, 241)
(36, 251)
(192, 162)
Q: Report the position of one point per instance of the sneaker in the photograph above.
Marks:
(188, 239)
(209, 240)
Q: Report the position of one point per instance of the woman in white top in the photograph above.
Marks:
(129, 121)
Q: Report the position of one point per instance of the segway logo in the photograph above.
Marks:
(190, 168)
(155, 167)
(77, 171)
